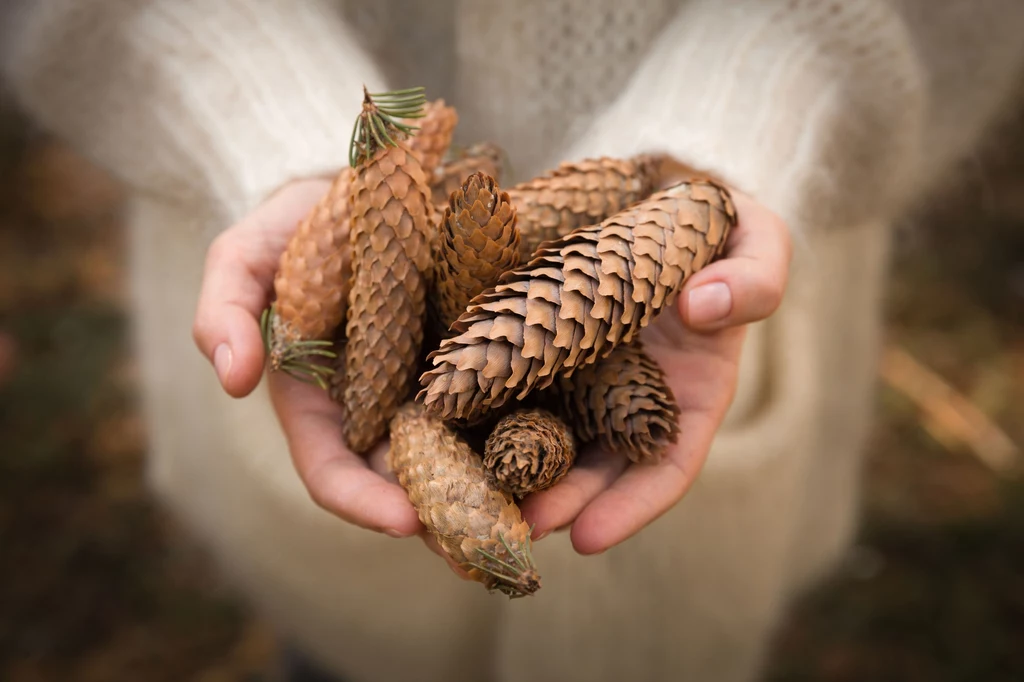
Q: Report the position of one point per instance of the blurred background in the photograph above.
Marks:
(95, 585)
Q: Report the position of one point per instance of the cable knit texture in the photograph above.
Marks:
(835, 113)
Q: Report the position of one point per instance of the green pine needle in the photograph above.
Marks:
(294, 358)
(513, 580)
(383, 121)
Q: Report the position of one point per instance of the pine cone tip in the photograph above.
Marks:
(516, 576)
(294, 356)
(381, 121)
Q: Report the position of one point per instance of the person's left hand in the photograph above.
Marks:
(604, 497)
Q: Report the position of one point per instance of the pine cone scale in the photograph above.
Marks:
(477, 242)
(480, 158)
(576, 194)
(388, 298)
(623, 403)
(434, 134)
(529, 450)
(311, 283)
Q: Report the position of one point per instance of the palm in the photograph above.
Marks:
(605, 497)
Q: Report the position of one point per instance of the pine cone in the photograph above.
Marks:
(392, 228)
(623, 403)
(431, 141)
(529, 450)
(576, 300)
(480, 158)
(667, 170)
(311, 284)
(576, 194)
(478, 241)
(478, 526)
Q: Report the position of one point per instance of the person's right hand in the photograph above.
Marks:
(237, 286)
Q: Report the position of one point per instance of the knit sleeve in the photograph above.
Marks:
(815, 107)
(216, 102)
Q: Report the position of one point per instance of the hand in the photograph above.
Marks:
(237, 286)
(604, 497)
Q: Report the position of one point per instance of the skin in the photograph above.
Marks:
(605, 499)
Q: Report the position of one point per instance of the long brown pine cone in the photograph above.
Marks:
(484, 157)
(433, 137)
(529, 450)
(392, 228)
(480, 527)
(576, 300)
(311, 286)
(623, 403)
(578, 193)
(477, 242)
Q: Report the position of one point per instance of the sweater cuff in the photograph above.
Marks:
(794, 108)
(217, 102)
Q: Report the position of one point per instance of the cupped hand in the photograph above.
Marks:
(606, 499)
(237, 286)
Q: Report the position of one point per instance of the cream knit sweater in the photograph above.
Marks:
(835, 113)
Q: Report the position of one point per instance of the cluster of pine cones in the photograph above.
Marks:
(490, 332)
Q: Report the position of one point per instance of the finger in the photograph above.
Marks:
(646, 491)
(234, 293)
(238, 280)
(748, 284)
(337, 479)
(556, 507)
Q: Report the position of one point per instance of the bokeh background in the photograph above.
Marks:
(96, 585)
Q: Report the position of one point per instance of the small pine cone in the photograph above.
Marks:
(578, 299)
(477, 525)
(431, 141)
(623, 403)
(480, 158)
(392, 228)
(477, 242)
(529, 450)
(576, 194)
(313, 277)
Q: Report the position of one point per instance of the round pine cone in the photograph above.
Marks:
(529, 450)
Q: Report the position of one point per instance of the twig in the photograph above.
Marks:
(949, 416)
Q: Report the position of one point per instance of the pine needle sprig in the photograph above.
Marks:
(516, 578)
(295, 358)
(381, 121)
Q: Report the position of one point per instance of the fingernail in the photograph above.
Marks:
(393, 532)
(543, 535)
(710, 303)
(222, 358)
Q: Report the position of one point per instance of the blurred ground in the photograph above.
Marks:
(95, 586)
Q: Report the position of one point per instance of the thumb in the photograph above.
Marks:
(237, 284)
(748, 284)
(226, 326)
